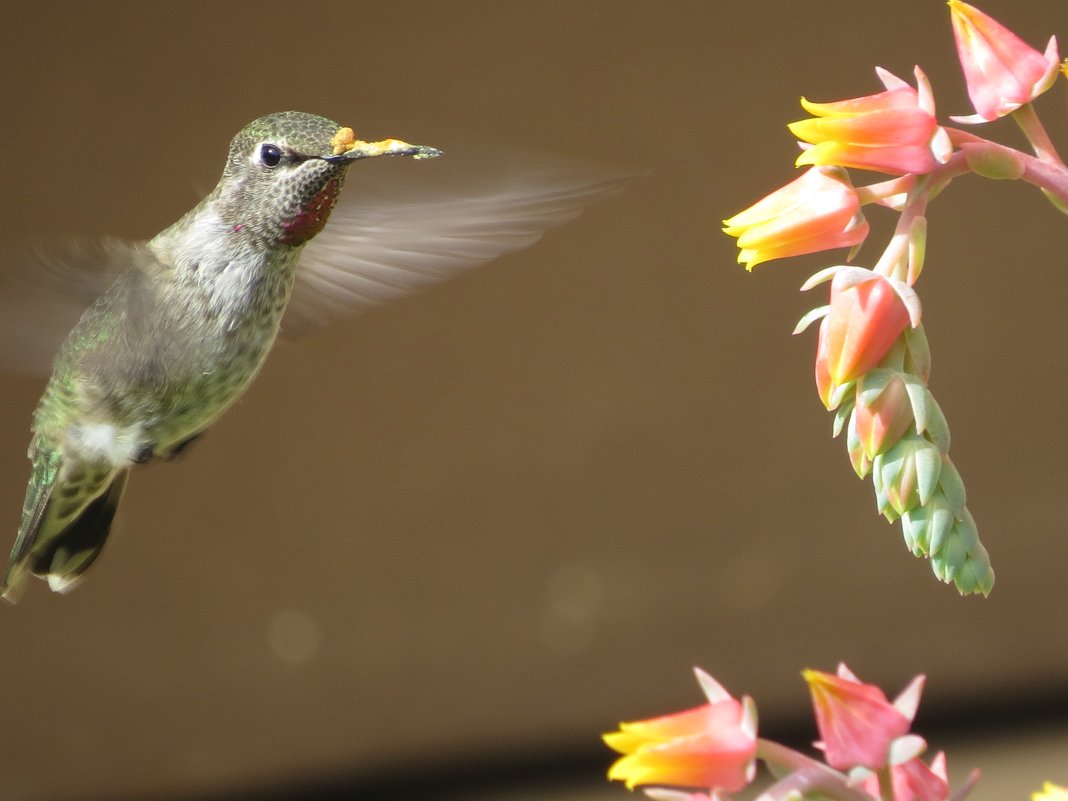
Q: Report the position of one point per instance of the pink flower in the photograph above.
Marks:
(895, 131)
(914, 780)
(818, 211)
(1002, 71)
(866, 315)
(711, 746)
(856, 722)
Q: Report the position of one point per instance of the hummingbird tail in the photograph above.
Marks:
(78, 545)
(55, 543)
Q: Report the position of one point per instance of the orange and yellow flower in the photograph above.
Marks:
(1002, 71)
(818, 211)
(894, 131)
(712, 746)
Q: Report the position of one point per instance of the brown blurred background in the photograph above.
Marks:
(480, 526)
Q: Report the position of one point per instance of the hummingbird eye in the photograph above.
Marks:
(270, 155)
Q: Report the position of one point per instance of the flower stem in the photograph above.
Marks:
(1048, 174)
(1036, 134)
(886, 784)
(806, 776)
(895, 261)
(885, 193)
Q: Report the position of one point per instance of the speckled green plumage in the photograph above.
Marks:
(174, 341)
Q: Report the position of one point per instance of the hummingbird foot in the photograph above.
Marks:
(151, 450)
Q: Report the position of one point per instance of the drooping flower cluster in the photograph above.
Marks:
(872, 369)
(872, 357)
(705, 753)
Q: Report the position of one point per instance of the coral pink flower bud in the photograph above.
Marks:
(1002, 71)
(864, 320)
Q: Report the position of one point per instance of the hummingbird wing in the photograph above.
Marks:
(395, 239)
(43, 293)
(393, 232)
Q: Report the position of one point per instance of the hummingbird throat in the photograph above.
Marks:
(312, 215)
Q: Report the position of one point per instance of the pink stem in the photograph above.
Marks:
(806, 775)
(1049, 175)
(1036, 134)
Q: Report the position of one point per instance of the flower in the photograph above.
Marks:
(895, 131)
(1002, 71)
(866, 315)
(1050, 792)
(914, 780)
(711, 746)
(960, 557)
(857, 724)
(906, 475)
(818, 211)
(883, 411)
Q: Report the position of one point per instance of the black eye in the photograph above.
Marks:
(270, 155)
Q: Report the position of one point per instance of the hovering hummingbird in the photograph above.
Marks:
(186, 325)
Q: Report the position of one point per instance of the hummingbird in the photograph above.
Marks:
(182, 330)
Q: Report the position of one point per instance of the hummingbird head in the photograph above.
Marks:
(285, 170)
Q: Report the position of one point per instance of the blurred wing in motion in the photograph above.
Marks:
(393, 232)
(389, 240)
(43, 294)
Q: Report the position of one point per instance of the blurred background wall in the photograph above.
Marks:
(486, 523)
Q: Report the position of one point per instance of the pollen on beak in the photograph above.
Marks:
(348, 148)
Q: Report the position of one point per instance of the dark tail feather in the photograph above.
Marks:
(46, 465)
(59, 556)
(38, 499)
(72, 551)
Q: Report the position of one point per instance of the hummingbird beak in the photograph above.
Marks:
(387, 147)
